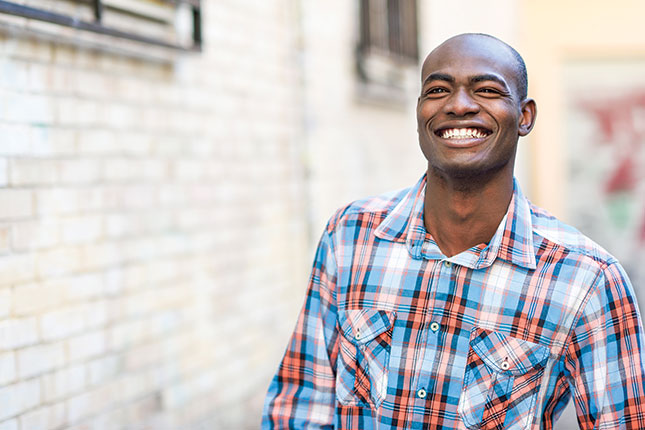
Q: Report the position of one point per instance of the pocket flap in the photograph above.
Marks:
(504, 353)
(363, 325)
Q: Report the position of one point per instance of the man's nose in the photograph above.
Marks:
(461, 103)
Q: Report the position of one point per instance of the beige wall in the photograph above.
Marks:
(552, 33)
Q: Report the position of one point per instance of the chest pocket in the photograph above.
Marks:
(501, 382)
(364, 356)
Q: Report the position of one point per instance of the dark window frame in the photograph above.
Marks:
(387, 51)
(389, 28)
(96, 26)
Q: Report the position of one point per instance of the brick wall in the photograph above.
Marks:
(152, 227)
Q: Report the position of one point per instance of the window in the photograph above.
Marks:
(387, 44)
(173, 24)
(389, 28)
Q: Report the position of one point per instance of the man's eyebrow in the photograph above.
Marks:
(439, 77)
(478, 78)
(489, 77)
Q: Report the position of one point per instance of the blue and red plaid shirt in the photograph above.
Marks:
(394, 335)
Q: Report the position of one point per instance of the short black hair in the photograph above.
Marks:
(521, 75)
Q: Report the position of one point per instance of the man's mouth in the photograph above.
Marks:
(463, 133)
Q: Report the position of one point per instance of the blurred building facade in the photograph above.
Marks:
(158, 210)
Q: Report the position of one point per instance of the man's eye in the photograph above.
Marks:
(491, 91)
(436, 90)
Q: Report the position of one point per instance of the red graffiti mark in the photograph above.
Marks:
(622, 177)
(605, 119)
(618, 117)
(620, 121)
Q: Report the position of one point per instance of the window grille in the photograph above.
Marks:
(174, 24)
(387, 51)
(389, 28)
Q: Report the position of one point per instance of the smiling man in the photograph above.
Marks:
(457, 304)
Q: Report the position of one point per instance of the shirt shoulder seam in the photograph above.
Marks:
(362, 206)
(603, 262)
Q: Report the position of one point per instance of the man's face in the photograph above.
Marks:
(469, 114)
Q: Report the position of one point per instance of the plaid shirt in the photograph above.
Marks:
(395, 335)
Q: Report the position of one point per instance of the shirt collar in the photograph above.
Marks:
(512, 242)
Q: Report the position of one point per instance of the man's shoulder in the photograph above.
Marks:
(378, 206)
(551, 229)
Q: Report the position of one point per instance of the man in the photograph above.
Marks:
(456, 303)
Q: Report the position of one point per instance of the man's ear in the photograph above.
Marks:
(527, 120)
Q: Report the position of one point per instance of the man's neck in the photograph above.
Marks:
(460, 214)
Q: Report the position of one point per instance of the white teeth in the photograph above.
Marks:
(462, 133)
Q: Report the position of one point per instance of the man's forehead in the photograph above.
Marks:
(471, 51)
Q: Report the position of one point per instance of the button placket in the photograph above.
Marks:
(424, 384)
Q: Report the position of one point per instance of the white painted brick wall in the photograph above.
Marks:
(8, 371)
(35, 234)
(18, 332)
(9, 425)
(62, 323)
(57, 261)
(57, 201)
(5, 236)
(16, 203)
(34, 298)
(87, 345)
(44, 418)
(40, 358)
(5, 303)
(19, 397)
(61, 383)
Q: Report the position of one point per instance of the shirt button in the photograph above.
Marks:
(434, 326)
(505, 365)
(357, 336)
(422, 393)
(447, 263)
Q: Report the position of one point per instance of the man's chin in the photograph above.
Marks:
(472, 175)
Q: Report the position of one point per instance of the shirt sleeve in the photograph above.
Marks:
(605, 356)
(302, 393)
